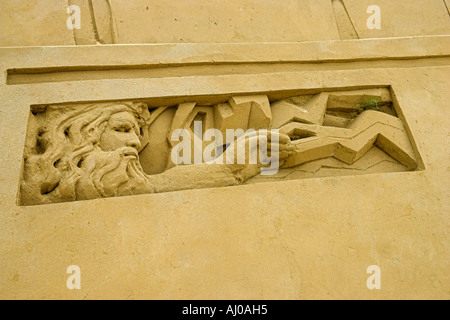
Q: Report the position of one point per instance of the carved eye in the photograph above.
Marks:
(124, 129)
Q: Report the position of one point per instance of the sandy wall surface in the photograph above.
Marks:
(298, 239)
(43, 22)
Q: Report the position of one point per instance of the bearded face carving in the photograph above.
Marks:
(85, 153)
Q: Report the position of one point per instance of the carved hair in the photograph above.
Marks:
(52, 165)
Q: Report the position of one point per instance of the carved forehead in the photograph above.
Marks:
(136, 113)
(123, 117)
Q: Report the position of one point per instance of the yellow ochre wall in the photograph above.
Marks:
(300, 239)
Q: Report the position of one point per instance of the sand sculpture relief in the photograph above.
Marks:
(94, 150)
(204, 150)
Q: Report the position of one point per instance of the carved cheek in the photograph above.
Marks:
(110, 140)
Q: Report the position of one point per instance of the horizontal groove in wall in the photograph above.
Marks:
(63, 74)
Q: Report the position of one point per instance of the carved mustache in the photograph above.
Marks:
(128, 152)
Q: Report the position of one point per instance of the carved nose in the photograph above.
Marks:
(134, 143)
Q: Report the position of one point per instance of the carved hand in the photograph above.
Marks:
(261, 149)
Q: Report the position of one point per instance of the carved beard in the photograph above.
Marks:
(111, 174)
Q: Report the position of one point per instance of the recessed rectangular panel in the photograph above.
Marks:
(92, 150)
